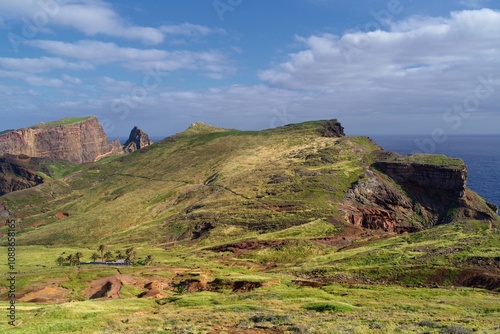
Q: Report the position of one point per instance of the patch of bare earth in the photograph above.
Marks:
(47, 291)
(106, 287)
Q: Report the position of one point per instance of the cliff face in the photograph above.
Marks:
(14, 177)
(79, 142)
(332, 128)
(432, 178)
(408, 193)
(138, 139)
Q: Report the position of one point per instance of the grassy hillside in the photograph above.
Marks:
(248, 235)
(241, 182)
(64, 121)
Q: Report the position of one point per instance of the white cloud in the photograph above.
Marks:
(189, 29)
(91, 17)
(439, 58)
(33, 80)
(41, 65)
(211, 62)
(70, 79)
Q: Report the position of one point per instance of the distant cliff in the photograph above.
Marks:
(78, 140)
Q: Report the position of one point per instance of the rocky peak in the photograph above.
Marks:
(138, 139)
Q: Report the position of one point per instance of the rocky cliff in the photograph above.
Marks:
(76, 140)
(15, 176)
(138, 139)
(411, 193)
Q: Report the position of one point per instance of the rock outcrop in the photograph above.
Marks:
(138, 139)
(332, 128)
(410, 193)
(15, 176)
(78, 141)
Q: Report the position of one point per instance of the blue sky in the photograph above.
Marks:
(380, 66)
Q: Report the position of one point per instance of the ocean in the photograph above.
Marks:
(481, 153)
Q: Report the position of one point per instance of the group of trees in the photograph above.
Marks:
(71, 259)
(129, 255)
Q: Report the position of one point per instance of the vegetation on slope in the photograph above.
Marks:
(246, 232)
(252, 182)
(64, 121)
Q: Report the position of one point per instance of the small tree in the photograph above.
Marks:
(109, 257)
(78, 257)
(102, 249)
(130, 255)
(60, 261)
(71, 258)
(148, 260)
(94, 256)
(119, 254)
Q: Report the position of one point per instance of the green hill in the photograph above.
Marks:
(263, 230)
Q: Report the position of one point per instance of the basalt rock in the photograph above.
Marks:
(332, 128)
(81, 141)
(138, 139)
(14, 176)
(409, 193)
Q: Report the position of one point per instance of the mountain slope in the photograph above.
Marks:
(232, 184)
(297, 229)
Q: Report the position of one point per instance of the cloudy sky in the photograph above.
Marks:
(379, 66)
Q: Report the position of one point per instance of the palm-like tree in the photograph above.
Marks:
(102, 249)
(131, 255)
(108, 256)
(119, 254)
(78, 257)
(71, 259)
(94, 256)
(60, 260)
(149, 260)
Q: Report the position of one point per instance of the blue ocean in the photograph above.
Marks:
(481, 153)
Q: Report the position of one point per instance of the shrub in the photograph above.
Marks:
(327, 306)
(427, 323)
(455, 329)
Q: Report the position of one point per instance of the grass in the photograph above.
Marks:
(285, 184)
(328, 306)
(430, 159)
(64, 121)
(279, 304)
(244, 162)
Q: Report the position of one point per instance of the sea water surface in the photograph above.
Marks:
(481, 153)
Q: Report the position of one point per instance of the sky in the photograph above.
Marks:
(430, 68)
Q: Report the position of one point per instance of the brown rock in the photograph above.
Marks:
(80, 142)
(414, 197)
(138, 139)
(332, 128)
(14, 176)
(61, 215)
